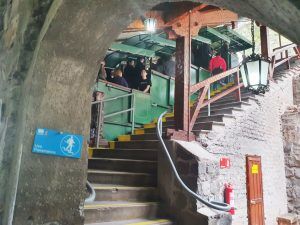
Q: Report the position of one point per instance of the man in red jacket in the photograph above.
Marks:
(217, 65)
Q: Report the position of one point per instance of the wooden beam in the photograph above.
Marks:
(217, 17)
(183, 15)
(213, 79)
(265, 41)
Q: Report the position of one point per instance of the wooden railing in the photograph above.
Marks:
(204, 87)
(283, 51)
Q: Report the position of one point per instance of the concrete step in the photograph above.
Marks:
(208, 126)
(212, 118)
(121, 178)
(232, 96)
(123, 165)
(230, 110)
(124, 193)
(146, 136)
(151, 132)
(226, 105)
(137, 222)
(140, 154)
(229, 100)
(137, 144)
(106, 211)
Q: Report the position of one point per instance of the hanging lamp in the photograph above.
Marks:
(255, 70)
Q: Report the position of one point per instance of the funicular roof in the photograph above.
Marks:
(238, 41)
(155, 45)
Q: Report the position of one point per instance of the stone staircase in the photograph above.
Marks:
(125, 175)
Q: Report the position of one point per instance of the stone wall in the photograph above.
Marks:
(296, 90)
(48, 50)
(199, 170)
(255, 131)
(291, 134)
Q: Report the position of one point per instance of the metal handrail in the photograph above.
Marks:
(117, 113)
(111, 99)
(212, 204)
(92, 192)
(131, 109)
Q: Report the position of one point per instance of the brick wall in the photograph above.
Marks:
(255, 131)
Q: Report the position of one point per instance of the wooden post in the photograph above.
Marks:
(280, 44)
(238, 95)
(181, 107)
(265, 45)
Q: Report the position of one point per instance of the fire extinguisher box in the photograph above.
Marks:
(288, 219)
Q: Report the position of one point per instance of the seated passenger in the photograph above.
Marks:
(169, 67)
(217, 65)
(159, 66)
(145, 83)
(119, 79)
(139, 67)
(130, 74)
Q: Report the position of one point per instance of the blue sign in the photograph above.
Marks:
(51, 142)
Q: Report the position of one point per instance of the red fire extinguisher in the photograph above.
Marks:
(229, 197)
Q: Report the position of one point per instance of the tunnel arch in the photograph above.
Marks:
(57, 89)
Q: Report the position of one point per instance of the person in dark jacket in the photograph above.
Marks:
(140, 65)
(130, 73)
(119, 79)
(145, 83)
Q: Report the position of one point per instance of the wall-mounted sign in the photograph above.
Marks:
(224, 163)
(52, 142)
(254, 169)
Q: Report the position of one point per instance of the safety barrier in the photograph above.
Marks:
(283, 51)
(204, 88)
(118, 117)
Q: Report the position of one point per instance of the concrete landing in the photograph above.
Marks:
(137, 222)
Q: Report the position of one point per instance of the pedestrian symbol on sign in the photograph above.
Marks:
(70, 145)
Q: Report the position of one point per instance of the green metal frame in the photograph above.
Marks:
(238, 41)
(213, 35)
(132, 50)
(146, 106)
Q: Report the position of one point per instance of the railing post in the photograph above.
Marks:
(288, 65)
(237, 82)
(208, 97)
(99, 123)
(132, 113)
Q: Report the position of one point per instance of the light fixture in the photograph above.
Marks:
(150, 24)
(255, 70)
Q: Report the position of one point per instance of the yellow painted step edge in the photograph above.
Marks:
(112, 145)
(122, 188)
(90, 153)
(150, 125)
(124, 138)
(169, 115)
(150, 222)
(139, 131)
(164, 119)
(95, 206)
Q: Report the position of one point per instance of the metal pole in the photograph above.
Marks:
(100, 109)
(208, 97)
(132, 113)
